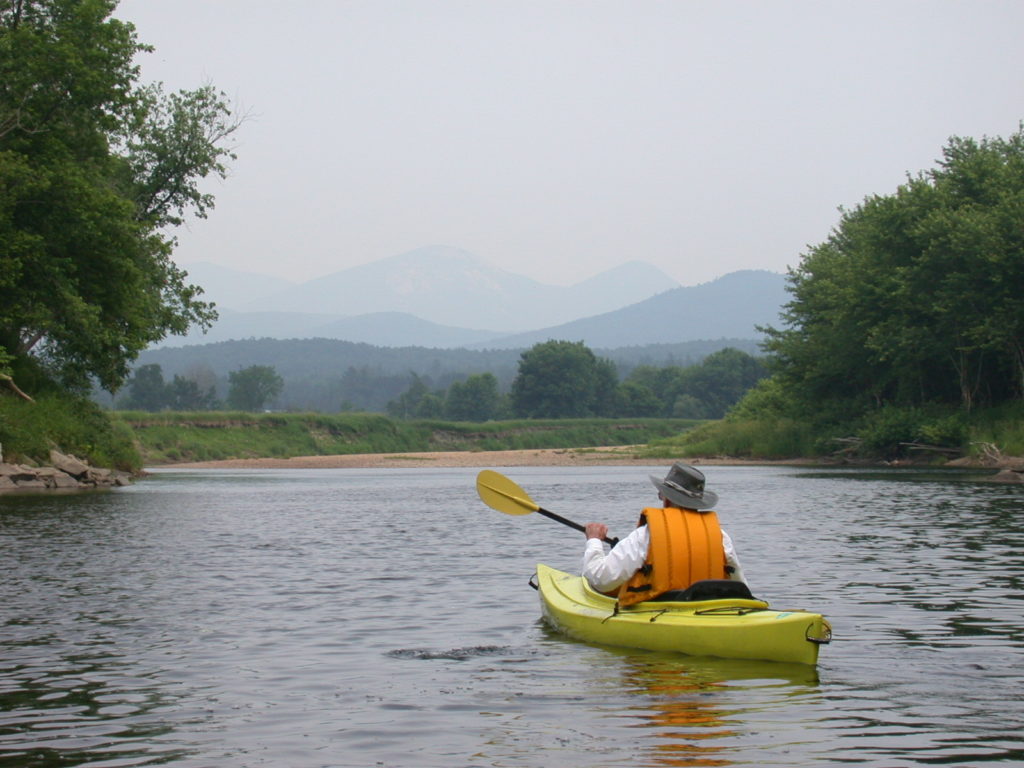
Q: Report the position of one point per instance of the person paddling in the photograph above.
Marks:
(671, 548)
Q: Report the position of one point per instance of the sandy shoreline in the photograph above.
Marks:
(536, 457)
(610, 456)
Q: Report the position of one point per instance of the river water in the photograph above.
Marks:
(347, 617)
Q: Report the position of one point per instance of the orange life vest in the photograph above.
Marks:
(686, 546)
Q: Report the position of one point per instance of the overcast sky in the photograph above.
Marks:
(560, 138)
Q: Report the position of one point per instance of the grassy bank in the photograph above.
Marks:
(29, 430)
(922, 434)
(166, 438)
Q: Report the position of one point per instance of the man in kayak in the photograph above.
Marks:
(671, 547)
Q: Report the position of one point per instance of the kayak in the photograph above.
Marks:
(732, 627)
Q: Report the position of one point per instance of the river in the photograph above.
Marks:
(382, 617)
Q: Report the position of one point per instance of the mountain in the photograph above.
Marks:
(729, 307)
(383, 329)
(632, 304)
(452, 287)
(231, 288)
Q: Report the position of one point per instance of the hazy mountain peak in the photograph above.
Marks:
(453, 287)
(232, 288)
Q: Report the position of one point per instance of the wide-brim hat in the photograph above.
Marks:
(683, 486)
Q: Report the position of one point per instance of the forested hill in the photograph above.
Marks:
(321, 373)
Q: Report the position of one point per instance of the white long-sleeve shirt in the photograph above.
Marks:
(607, 568)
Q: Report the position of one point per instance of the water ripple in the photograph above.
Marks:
(283, 617)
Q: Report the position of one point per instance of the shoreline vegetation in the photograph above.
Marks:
(132, 442)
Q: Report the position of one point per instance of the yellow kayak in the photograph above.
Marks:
(733, 628)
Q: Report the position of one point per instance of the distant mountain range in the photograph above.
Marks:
(729, 307)
(443, 298)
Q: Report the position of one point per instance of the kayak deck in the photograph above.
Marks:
(734, 628)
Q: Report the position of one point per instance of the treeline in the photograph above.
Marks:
(906, 326)
(249, 389)
(561, 379)
(555, 379)
(329, 375)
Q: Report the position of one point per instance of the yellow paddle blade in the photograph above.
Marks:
(500, 493)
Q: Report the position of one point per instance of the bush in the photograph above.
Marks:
(755, 439)
(886, 428)
(886, 431)
(68, 423)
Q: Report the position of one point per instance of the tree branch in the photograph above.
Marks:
(10, 383)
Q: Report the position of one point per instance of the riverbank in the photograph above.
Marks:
(535, 457)
(63, 473)
(1007, 469)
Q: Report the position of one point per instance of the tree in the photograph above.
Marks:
(560, 379)
(407, 405)
(250, 388)
(184, 394)
(638, 400)
(147, 390)
(475, 399)
(916, 297)
(718, 382)
(93, 167)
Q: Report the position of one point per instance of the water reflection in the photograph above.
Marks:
(689, 705)
(94, 707)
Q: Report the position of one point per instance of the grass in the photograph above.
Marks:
(29, 430)
(170, 437)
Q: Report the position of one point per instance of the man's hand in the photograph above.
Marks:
(596, 530)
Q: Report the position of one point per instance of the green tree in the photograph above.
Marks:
(93, 168)
(718, 382)
(185, 394)
(916, 297)
(638, 400)
(664, 383)
(417, 402)
(560, 379)
(249, 389)
(147, 390)
(475, 399)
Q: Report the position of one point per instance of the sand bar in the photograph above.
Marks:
(537, 457)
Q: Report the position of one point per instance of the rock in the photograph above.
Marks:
(69, 464)
(17, 472)
(67, 473)
(99, 476)
(1008, 476)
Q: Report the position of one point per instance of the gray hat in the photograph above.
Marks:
(683, 486)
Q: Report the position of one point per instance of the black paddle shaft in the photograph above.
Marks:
(571, 524)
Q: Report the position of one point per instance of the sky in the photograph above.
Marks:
(560, 138)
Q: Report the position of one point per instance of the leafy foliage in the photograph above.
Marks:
(916, 297)
(703, 391)
(562, 379)
(475, 399)
(147, 391)
(92, 167)
(251, 388)
(558, 373)
(72, 424)
(906, 327)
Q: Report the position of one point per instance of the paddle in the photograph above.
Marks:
(500, 493)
